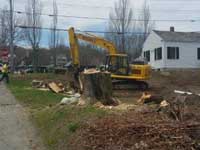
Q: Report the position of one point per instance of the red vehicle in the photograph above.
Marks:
(4, 55)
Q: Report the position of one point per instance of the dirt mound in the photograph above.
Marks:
(137, 131)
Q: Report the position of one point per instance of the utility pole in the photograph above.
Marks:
(11, 37)
(35, 56)
(55, 20)
(123, 26)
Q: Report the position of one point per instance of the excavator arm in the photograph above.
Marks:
(74, 47)
(98, 42)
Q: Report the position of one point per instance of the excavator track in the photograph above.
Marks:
(129, 85)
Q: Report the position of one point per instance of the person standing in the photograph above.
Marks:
(4, 71)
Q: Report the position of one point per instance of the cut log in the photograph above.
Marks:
(148, 98)
(97, 86)
(37, 83)
(54, 87)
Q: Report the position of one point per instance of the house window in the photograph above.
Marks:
(158, 53)
(198, 53)
(147, 55)
(172, 52)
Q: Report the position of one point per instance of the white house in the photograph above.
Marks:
(170, 49)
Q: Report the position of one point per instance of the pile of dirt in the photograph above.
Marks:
(138, 131)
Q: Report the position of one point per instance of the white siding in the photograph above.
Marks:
(187, 55)
(154, 41)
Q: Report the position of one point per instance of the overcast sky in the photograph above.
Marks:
(160, 10)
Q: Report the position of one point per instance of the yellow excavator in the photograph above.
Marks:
(122, 72)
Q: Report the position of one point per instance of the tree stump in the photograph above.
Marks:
(97, 86)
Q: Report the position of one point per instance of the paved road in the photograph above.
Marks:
(16, 131)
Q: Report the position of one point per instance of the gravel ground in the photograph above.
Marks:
(16, 131)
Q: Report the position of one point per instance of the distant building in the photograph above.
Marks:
(170, 49)
(61, 60)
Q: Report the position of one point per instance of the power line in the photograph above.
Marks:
(89, 6)
(103, 18)
(110, 7)
(86, 31)
(139, 11)
(190, 1)
(177, 10)
(162, 10)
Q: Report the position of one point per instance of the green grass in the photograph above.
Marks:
(60, 123)
(33, 97)
(56, 124)
(72, 127)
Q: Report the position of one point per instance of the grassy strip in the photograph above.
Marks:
(57, 124)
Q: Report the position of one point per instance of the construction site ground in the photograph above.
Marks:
(144, 127)
(164, 84)
(90, 127)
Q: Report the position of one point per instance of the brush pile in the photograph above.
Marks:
(139, 131)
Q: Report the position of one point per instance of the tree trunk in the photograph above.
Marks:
(97, 86)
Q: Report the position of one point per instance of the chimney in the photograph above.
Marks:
(172, 29)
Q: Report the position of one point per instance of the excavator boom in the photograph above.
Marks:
(74, 48)
(110, 47)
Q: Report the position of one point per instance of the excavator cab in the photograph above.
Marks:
(117, 64)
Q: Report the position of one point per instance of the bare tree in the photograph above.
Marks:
(145, 23)
(120, 22)
(4, 34)
(53, 41)
(5, 30)
(34, 32)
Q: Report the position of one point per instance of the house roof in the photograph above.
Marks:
(170, 36)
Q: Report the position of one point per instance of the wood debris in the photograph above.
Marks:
(91, 71)
(55, 88)
(37, 83)
(164, 103)
(137, 131)
(148, 98)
